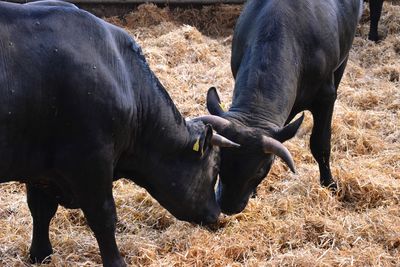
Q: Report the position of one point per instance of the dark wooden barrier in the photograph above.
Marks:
(106, 8)
(174, 2)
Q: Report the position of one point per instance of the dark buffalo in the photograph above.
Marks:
(375, 8)
(80, 108)
(287, 57)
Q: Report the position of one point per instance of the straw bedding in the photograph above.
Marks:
(292, 221)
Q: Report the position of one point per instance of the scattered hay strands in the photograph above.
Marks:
(292, 221)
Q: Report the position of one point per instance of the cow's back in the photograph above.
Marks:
(308, 23)
(64, 84)
(281, 47)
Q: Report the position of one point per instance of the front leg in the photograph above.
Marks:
(320, 141)
(92, 183)
(101, 216)
(43, 208)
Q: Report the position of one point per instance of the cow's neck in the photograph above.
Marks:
(159, 132)
(265, 88)
(162, 127)
(158, 129)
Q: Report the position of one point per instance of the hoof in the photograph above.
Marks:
(331, 185)
(117, 263)
(40, 257)
(374, 37)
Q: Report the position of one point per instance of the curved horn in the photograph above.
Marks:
(289, 130)
(216, 122)
(219, 140)
(213, 102)
(273, 146)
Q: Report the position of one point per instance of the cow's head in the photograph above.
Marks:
(243, 169)
(180, 170)
(191, 175)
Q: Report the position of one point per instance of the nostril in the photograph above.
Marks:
(232, 207)
(211, 215)
(211, 218)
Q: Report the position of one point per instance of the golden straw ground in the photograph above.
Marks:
(292, 221)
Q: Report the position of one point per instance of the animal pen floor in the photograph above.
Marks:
(292, 221)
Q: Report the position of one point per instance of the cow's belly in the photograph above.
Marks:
(20, 156)
(52, 183)
(58, 188)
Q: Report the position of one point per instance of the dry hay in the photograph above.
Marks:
(292, 221)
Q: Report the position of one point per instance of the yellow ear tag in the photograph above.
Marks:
(222, 106)
(196, 145)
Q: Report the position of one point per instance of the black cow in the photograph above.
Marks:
(375, 8)
(80, 108)
(287, 57)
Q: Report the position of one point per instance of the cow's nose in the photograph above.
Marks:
(211, 218)
(232, 207)
(211, 214)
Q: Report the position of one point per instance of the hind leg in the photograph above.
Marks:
(43, 208)
(375, 7)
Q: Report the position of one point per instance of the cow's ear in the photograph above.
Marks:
(289, 131)
(214, 104)
(203, 142)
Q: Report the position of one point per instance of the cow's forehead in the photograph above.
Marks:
(195, 126)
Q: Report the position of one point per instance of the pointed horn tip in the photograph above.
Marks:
(212, 88)
(300, 119)
(230, 144)
(293, 169)
(221, 141)
(236, 145)
(290, 164)
(303, 116)
(273, 146)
